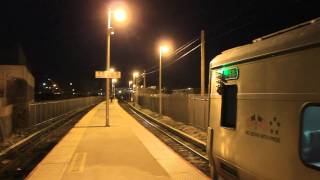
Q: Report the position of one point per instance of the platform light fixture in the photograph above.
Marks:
(164, 49)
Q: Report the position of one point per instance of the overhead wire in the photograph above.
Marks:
(177, 51)
(182, 56)
(175, 60)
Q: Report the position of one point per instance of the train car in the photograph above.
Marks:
(265, 107)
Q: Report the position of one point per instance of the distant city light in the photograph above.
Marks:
(44, 84)
(54, 85)
(73, 90)
(70, 84)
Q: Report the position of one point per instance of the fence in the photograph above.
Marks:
(42, 111)
(187, 108)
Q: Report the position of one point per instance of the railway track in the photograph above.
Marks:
(19, 159)
(189, 148)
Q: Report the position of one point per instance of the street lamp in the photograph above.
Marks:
(120, 15)
(134, 86)
(130, 82)
(114, 81)
(163, 49)
(135, 75)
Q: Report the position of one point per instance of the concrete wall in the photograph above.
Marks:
(16, 84)
(5, 122)
(16, 92)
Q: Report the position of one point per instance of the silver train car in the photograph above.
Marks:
(265, 108)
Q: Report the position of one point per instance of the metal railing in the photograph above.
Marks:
(187, 108)
(43, 111)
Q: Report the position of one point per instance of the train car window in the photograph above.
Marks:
(229, 106)
(310, 137)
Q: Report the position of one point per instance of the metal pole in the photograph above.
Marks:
(202, 63)
(134, 82)
(144, 79)
(133, 89)
(160, 79)
(107, 68)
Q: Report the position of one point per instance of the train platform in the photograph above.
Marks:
(125, 150)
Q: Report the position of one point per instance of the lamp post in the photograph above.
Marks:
(135, 75)
(119, 16)
(130, 82)
(163, 49)
(114, 81)
(144, 79)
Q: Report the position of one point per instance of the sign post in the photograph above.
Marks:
(108, 75)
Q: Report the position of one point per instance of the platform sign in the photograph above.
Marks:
(108, 74)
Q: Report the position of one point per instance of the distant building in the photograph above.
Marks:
(16, 89)
(16, 84)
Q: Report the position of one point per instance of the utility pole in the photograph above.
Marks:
(202, 63)
(144, 79)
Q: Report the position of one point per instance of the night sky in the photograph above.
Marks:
(66, 39)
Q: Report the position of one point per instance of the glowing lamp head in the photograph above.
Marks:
(164, 49)
(120, 15)
(114, 80)
(135, 74)
(130, 82)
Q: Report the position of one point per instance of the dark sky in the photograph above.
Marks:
(66, 39)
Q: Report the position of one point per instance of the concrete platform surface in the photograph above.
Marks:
(123, 151)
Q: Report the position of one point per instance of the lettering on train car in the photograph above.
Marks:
(262, 128)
